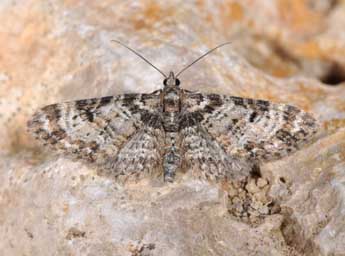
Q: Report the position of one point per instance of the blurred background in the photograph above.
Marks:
(288, 51)
(61, 50)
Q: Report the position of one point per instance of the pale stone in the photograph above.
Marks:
(252, 188)
(261, 182)
(284, 51)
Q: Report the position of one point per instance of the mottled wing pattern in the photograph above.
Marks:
(247, 128)
(205, 157)
(143, 151)
(100, 130)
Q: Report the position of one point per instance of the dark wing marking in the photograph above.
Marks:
(254, 129)
(142, 154)
(95, 129)
(206, 157)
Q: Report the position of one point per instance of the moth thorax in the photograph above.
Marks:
(171, 101)
(171, 109)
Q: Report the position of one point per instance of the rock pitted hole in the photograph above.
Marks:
(335, 75)
(141, 249)
(255, 172)
(284, 54)
(324, 6)
(279, 61)
(74, 233)
(294, 237)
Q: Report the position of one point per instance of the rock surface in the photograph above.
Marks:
(283, 51)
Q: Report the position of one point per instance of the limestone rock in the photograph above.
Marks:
(284, 51)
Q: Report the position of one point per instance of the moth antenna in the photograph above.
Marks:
(202, 56)
(139, 55)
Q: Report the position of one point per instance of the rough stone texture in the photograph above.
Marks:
(290, 51)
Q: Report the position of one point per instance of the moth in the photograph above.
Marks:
(216, 136)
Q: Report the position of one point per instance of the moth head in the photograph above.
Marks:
(171, 80)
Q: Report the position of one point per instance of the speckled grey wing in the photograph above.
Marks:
(99, 130)
(206, 158)
(142, 154)
(253, 129)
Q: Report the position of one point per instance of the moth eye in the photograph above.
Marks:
(177, 81)
(165, 81)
